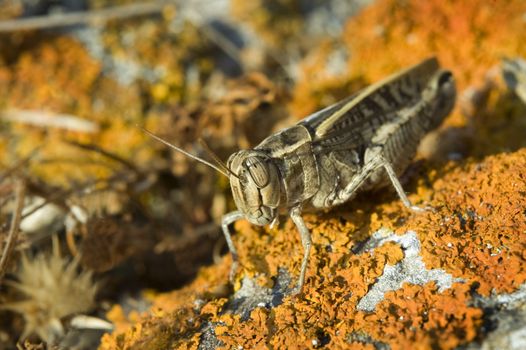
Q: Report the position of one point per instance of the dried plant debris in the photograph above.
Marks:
(130, 255)
(52, 288)
(14, 228)
(241, 116)
(514, 73)
(495, 112)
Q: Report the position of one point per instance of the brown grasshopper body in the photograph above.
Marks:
(361, 143)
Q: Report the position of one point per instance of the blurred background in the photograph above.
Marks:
(93, 212)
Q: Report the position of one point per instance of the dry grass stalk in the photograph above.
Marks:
(14, 228)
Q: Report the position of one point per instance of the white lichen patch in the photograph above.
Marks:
(410, 270)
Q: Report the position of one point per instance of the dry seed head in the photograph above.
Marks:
(53, 289)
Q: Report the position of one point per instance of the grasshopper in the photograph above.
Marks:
(360, 143)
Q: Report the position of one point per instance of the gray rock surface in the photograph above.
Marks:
(410, 270)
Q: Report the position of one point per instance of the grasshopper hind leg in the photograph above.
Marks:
(398, 186)
(376, 162)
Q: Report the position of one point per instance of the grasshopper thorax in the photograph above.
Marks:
(255, 184)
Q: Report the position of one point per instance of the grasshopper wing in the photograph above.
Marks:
(373, 105)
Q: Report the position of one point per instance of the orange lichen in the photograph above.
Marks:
(120, 320)
(60, 77)
(172, 322)
(389, 35)
(419, 317)
(474, 233)
(182, 61)
(468, 37)
(480, 224)
(475, 230)
(412, 315)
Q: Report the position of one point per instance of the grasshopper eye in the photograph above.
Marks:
(258, 171)
(243, 177)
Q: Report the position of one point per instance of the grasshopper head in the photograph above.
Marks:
(254, 178)
(255, 185)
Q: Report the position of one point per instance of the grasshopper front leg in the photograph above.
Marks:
(295, 215)
(227, 220)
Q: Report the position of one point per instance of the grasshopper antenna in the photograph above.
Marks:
(188, 154)
(216, 158)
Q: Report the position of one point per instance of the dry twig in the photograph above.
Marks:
(45, 119)
(15, 227)
(82, 17)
